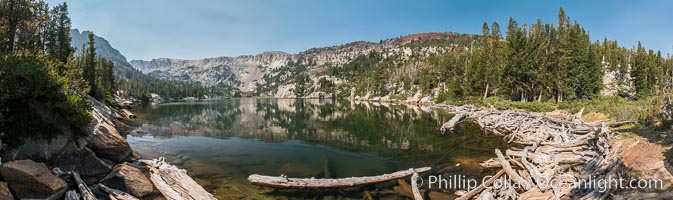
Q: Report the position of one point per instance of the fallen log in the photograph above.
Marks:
(481, 187)
(448, 126)
(404, 189)
(174, 183)
(508, 169)
(83, 188)
(117, 194)
(414, 187)
(312, 183)
(128, 114)
(368, 195)
(563, 150)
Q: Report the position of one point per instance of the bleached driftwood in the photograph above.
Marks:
(174, 183)
(83, 188)
(312, 183)
(448, 126)
(481, 187)
(128, 114)
(554, 150)
(117, 194)
(414, 187)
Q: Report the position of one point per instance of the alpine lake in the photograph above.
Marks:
(221, 142)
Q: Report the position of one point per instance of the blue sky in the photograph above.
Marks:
(209, 28)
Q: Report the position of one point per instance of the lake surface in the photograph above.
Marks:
(221, 142)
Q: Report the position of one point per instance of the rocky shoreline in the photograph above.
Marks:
(43, 168)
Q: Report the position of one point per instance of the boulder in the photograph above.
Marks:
(31, 180)
(102, 135)
(86, 163)
(108, 143)
(130, 179)
(4, 191)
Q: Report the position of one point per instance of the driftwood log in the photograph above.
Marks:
(117, 194)
(128, 114)
(82, 187)
(451, 124)
(414, 187)
(174, 183)
(312, 183)
(554, 150)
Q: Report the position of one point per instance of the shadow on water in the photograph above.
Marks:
(222, 142)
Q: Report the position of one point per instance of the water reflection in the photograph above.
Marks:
(222, 142)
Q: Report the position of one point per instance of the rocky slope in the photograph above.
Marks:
(44, 168)
(268, 73)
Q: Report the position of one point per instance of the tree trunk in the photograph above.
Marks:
(485, 92)
(558, 95)
(11, 28)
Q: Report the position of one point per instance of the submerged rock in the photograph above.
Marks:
(31, 180)
(130, 179)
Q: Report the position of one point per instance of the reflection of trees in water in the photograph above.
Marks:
(393, 130)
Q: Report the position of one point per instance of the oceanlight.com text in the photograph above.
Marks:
(563, 181)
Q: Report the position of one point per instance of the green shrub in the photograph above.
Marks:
(534, 106)
(645, 110)
(34, 97)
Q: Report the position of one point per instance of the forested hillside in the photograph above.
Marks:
(537, 62)
(520, 62)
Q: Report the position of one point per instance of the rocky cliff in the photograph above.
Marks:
(268, 73)
(103, 49)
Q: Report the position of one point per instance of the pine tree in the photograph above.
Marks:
(58, 40)
(89, 68)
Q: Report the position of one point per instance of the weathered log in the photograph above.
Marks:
(534, 171)
(83, 188)
(117, 194)
(414, 187)
(312, 183)
(71, 195)
(612, 124)
(403, 189)
(174, 183)
(563, 157)
(368, 195)
(448, 126)
(508, 169)
(128, 114)
(578, 116)
(560, 146)
(481, 187)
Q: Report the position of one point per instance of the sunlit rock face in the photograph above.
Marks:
(269, 73)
